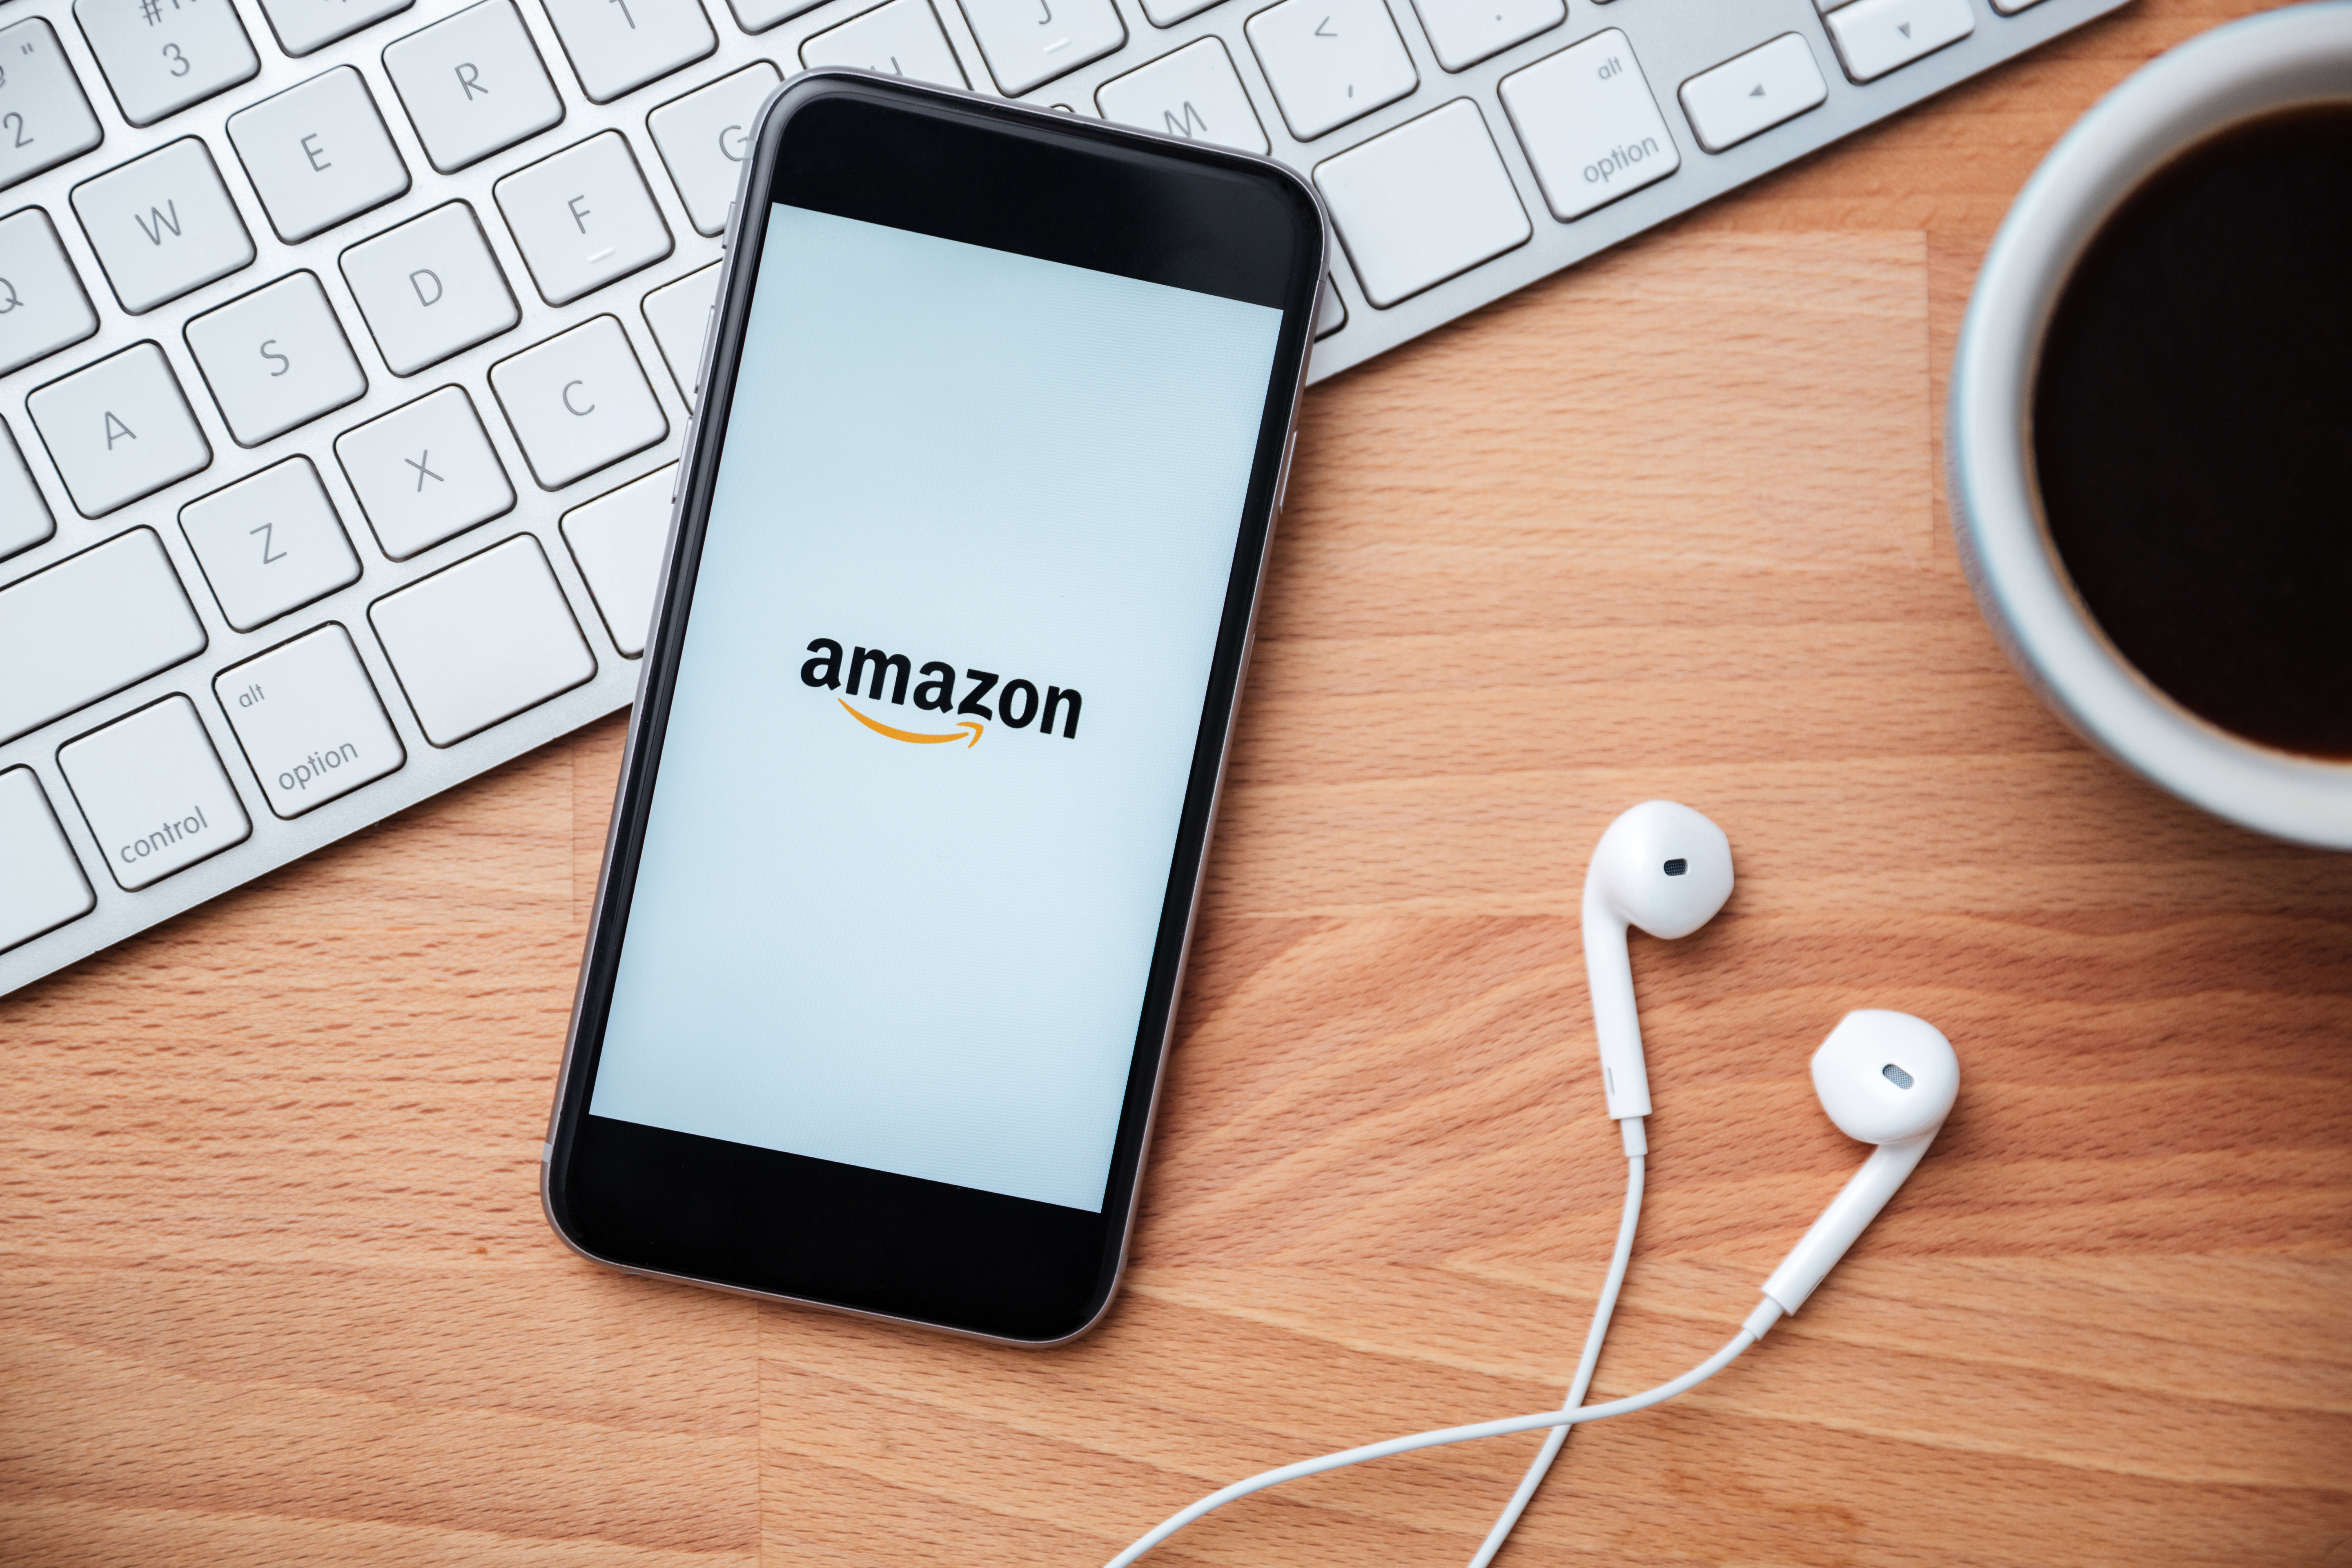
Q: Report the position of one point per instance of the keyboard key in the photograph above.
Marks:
(1420, 204)
(617, 541)
(430, 289)
(45, 117)
(303, 26)
(759, 15)
(161, 56)
(153, 792)
(89, 626)
(679, 315)
(1874, 37)
(42, 306)
(583, 217)
(119, 429)
(309, 721)
(2011, 7)
(25, 518)
(1195, 93)
(41, 883)
(1330, 311)
(269, 544)
(620, 45)
(1330, 61)
(1753, 92)
(1168, 13)
(425, 473)
(318, 154)
(1591, 130)
(482, 641)
(472, 85)
(1464, 32)
(578, 403)
(1028, 43)
(701, 139)
(162, 225)
(901, 39)
(275, 359)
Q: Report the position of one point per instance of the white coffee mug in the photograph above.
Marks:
(2301, 55)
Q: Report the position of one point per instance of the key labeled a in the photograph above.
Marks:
(119, 429)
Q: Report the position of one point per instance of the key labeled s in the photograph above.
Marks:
(269, 350)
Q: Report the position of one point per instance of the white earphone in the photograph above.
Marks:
(1885, 1078)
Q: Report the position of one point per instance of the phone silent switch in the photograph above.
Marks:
(1282, 483)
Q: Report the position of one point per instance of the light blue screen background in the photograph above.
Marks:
(930, 959)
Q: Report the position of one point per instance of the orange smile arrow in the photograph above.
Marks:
(917, 737)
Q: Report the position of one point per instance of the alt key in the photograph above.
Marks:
(310, 720)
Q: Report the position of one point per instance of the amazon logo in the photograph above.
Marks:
(876, 677)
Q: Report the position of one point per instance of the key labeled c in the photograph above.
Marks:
(567, 399)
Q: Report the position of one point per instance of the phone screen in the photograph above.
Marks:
(935, 708)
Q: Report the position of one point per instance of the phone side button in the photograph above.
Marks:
(1281, 485)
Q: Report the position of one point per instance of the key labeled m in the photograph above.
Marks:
(157, 220)
(1192, 125)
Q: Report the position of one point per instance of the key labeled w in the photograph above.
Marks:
(157, 220)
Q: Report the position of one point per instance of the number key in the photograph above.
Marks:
(161, 56)
(44, 118)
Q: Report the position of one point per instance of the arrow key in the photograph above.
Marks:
(1755, 92)
(1875, 36)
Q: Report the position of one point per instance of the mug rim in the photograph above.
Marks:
(2254, 66)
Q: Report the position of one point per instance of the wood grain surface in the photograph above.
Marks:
(275, 1287)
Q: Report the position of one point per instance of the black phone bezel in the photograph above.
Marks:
(786, 1226)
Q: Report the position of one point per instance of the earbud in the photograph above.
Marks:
(1886, 1078)
(1667, 870)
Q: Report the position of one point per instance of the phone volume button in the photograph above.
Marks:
(1282, 483)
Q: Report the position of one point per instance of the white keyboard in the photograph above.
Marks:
(344, 342)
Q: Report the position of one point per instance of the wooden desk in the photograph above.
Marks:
(276, 1288)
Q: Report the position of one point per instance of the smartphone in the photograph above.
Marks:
(991, 431)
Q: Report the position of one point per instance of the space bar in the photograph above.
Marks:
(90, 626)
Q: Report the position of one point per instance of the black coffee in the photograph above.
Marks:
(2192, 426)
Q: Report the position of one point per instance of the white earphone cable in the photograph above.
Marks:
(1762, 1319)
(1593, 1336)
